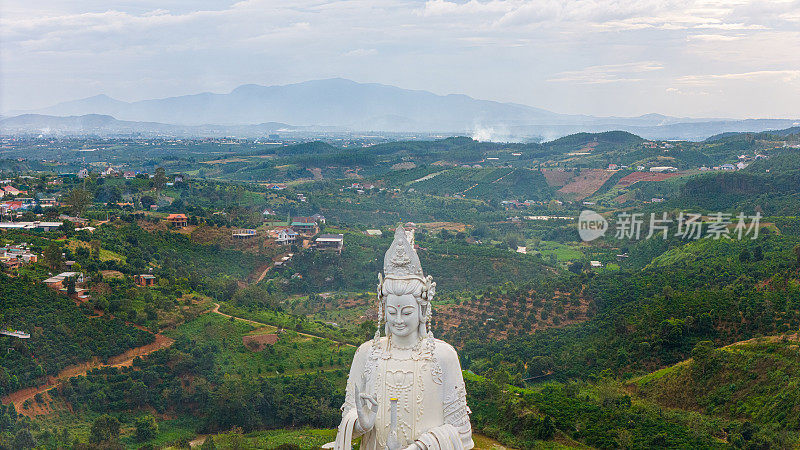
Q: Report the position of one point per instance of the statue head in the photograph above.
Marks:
(404, 293)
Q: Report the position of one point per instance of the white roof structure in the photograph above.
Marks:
(30, 225)
(330, 238)
(16, 333)
(62, 276)
(663, 169)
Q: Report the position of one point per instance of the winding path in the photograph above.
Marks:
(122, 360)
(262, 324)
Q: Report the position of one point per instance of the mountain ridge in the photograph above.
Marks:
(354, 106)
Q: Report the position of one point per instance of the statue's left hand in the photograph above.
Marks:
(366, 415)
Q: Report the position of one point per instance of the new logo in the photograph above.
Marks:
(591, 225)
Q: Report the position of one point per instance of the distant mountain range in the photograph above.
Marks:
(344, 105)
(105, 125)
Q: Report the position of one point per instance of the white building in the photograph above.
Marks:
(286, 237)
(663, 169)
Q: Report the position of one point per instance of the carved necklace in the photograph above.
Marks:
(414, 348)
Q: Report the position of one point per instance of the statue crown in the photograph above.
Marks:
(401, 261)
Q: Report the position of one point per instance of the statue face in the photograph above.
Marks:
(402, 314)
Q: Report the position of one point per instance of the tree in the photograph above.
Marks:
(796, 251)
(575, 267)
(147, 201)
(744, 255)
(160, 179)
(702, 359)
(209, 444)
(146, 428)
(70, 284)
(367, 329)
(52, 256)
(94, 244)
(78, 200)
(24, 439)
(105, 429)
(67, 227)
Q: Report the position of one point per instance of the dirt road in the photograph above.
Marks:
(121, 360)
(261, 324)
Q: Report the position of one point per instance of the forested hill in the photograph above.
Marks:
(760, 135)
(759, 369)
(62, 334)
(461, 147)
(705, 290)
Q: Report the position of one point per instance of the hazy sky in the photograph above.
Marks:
(604, 57)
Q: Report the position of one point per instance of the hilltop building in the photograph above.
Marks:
(663, 169)
(178, 220)
(334, 242)
(305, 225)
(286, 237)
(145, 280)
(244, 233)
(44, 226)
(57, 281)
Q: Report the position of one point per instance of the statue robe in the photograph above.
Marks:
(429, 386)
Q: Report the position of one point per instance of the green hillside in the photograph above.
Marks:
(754, 380)
(62, 334)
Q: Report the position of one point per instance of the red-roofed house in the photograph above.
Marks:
(11, 190)
(178, 220)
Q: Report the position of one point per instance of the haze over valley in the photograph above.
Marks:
(343, 106)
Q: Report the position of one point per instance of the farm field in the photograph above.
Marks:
(558, 177)
(486, 183)
(586, 183)
(635, 177)
(563, 252)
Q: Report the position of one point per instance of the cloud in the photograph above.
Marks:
(610, 73)
(359, 52)
(572, 55)
(779, 75)
(713, 37)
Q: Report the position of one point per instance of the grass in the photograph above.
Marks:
(293, 353)
(79, 423)
(288, 321)
(108, 255)
(305, 438)
(563, 252)
(105, 255)
(170, 432)
(312, 438)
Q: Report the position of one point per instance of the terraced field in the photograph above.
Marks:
(487, 183)
(586, 183)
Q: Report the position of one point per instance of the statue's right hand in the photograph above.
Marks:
(366, 415)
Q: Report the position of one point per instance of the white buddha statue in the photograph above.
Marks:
(407, 371)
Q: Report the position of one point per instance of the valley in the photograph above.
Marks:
(195, 292)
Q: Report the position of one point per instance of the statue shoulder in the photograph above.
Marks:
(366, 347)
(445, 352)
